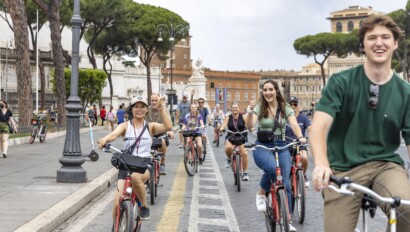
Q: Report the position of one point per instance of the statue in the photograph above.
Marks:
(198, 69)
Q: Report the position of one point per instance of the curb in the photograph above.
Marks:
(60, 212)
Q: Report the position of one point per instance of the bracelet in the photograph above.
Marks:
(249, 111)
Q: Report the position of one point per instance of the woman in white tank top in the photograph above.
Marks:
(130, 131)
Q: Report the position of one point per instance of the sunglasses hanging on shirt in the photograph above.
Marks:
(374, 96)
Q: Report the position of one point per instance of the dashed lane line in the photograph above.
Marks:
(194, 219)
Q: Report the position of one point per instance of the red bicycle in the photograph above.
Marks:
(129, 209)
(156, 162)
(191, 155)
(298, 184)
(277, 209)
(237, 139)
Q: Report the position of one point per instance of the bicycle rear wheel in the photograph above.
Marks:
(238, 172)
(126, 222)
(43, 135)
(283, 210)
(300, 197)
(157, 177)
(33, 135)
(152, 185)
(189, 161)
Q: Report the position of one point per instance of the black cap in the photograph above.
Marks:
(293, 99)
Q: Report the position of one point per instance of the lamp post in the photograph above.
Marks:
(72, 159)
(37, 31)
(173, 31)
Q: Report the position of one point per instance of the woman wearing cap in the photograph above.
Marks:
(130, 131)
(272, 113)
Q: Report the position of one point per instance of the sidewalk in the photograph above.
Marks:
(30, 197)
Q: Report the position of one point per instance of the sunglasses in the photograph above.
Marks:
(374, 96)
(294, 104)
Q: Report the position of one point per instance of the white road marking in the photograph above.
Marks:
(194, 220)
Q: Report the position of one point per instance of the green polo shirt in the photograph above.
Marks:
(268, 123)
(360, 134)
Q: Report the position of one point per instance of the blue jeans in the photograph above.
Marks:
(265, 160)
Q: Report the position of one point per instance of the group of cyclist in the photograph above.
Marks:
(355, 131)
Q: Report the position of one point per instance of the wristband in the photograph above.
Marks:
(249, 111)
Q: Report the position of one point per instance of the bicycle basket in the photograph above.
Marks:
(34, 121)
(237, 139)
(188, 133)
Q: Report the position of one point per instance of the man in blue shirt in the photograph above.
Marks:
(304, 123)
(120, 115)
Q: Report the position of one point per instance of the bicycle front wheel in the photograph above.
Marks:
(33, 135)
(42, 136)
(126, 222)
(269, 219)
(217, 139)
(238, 172)
(152, 185)
(300, 197)
(189, 161)
(283, 210)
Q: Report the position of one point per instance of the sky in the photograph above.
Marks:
(237, 35)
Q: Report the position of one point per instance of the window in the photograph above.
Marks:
(237, 96)
(207, 95)
(185, 56)
(228, 86)
(253, 96)
(294, 88)
(213, 96)
(313, 88)
(228, 96)
(300, 88)
(245, 96)
(350, 26)
(339, 27)
(212, 85)
(220, 85)
(237, 86)
(246, 86)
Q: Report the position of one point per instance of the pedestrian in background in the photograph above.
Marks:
(120, 114)
(6, 122)
(91, 115)
(111, 118)
(103, 115)
(183, 109)
(95, 115)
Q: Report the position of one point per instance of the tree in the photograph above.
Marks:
(52, 9)
(327, 44)
(16, 8)
(90, 84)
(144, 28)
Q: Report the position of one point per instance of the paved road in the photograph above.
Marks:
(207, 202)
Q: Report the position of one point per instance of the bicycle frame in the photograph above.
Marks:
(128, 195)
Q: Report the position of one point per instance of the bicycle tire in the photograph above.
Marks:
(300, 197)
(42, 137)
(233, 167)
(152, 185)
(33, 135)
(283, 211)
(189, 162)
(269, 220)
(196, 159)
(126, 222)
(138, 221)
(157, 177)
(217, 139)
(238, 172)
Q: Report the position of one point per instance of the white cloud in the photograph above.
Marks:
(252, 35)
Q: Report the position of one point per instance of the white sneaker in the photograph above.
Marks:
(180, 146)
(291, 228)
(260, 202)
(307, 183)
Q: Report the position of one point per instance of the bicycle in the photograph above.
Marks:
(129, 209)
(298, 184)
(277, 210)
(156, 162)
(217, 134)
(191, 157)
(39, 130)
(236, 158)
(370, 195)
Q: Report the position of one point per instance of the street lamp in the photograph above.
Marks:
(71, 171)
(10, 40)
(173, 31)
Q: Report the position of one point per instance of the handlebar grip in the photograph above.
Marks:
(340, 180)
(107, 146)
(249, 145)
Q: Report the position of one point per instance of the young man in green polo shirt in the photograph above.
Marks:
(356, 128)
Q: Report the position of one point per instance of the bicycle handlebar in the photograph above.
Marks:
(275, 148)
(345, 183)
(237, 132)
(108, 146)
